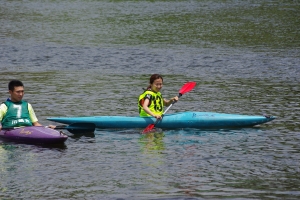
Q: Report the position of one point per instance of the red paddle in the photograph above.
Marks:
(184, 89)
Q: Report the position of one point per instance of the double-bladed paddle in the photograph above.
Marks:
(184, 89)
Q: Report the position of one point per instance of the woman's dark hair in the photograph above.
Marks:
(14, 83)
(153, 78)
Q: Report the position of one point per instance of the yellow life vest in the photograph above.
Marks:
(156, 103)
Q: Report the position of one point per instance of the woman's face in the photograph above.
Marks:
(157, 85)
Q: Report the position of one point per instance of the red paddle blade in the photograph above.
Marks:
(187, 87)
(148, 129)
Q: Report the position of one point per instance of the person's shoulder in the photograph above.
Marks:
(5, 102)
(149, 92)
(158, 94)
(3, 105)
(146, 92)
(26, 102)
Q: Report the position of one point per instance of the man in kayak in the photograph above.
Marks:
(150, 101)
(15, 112)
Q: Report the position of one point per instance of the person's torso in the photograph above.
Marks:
(17, 114)
(155, 103)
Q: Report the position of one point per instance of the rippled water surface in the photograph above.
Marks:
(86, 58)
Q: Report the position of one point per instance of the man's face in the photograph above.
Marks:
(17, 94)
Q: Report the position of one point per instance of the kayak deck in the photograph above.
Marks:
(34, 135)
(200, 120)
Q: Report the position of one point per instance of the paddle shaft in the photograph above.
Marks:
(167, 109)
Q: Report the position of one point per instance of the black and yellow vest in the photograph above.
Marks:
(155, 105)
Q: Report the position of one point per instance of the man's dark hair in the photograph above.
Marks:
(14, 83)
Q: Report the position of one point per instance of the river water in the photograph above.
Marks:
(89, 57)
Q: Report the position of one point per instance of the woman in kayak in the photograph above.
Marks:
(15, 112)
(150, 101)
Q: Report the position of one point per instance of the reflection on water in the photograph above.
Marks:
(152, 142)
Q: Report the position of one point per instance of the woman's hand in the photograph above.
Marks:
(168, 102)
(157, 116)
(175, 98)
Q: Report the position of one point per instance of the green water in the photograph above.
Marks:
(250, 24)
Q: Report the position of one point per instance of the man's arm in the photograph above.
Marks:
(3, 110)
(34, 119)
(37, 124)
(32, 116)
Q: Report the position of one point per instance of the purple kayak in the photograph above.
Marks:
(33, 134)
